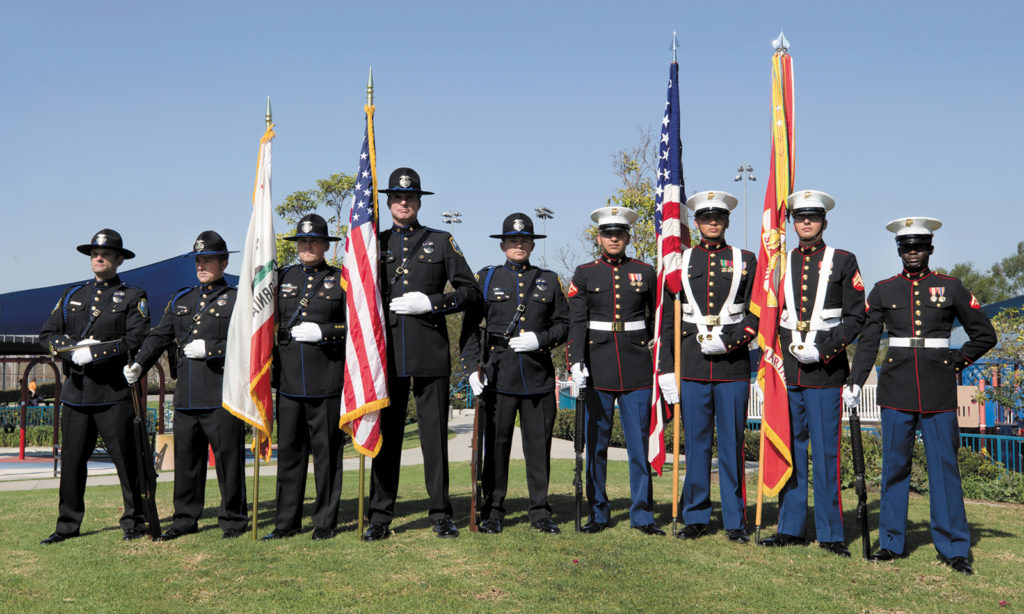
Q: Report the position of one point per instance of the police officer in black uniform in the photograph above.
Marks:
(527, 316)
(611, 322)
(917, 389)
(194, 329)
(823, 313)
(717, 326)
(309, 372)
(93, 330)
(416, 264)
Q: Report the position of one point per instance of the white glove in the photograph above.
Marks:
(411, 304)
(851, 395)
(83, 355)
(525, 342)
(307, 332)
(132, 373)
(808, 354)
(195, 349)
(475, 384)
(712, 344)
(579, 375)
(669, 391)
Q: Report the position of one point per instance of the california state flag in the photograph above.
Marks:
(250, 342)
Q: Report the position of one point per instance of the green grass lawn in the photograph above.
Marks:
(518, 571)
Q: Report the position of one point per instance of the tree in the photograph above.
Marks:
(987, 287)
(331, 194)
(1008, 355)
(1011, 269)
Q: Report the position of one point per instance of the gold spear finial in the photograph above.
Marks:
(269, 117)
(369, 89)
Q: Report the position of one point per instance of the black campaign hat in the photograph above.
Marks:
(405, 180)
(107, 239)
(209, 243)
(311, 226)
(517, 225)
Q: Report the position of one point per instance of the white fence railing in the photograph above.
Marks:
(868, 410)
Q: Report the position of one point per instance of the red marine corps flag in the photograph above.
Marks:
(776, 461)
(250, 342)
(672, 235)
(366, 386)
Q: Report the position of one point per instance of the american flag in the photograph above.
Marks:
(672, 235)
(366, 386)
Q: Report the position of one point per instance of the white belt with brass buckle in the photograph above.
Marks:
(917, 342)
(618, 327)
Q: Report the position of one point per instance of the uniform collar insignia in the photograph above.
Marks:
(621, 260)
(404, 230)
(712, 246)
(514, 266)
(812, 248)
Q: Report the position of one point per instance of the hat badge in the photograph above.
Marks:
(909, 222)
(405, 181)
(711, 196)
(615, 210)
(518, 224)
(306, 226)
(101, 239)
(807, 194)
(199, 246)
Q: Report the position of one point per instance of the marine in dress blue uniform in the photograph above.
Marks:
(194, 331)
(416, 264)
(823, 313)
(611, 317)
(917, 389)
(93, 330)
(526, 317)
(716, 328)
(309, 372)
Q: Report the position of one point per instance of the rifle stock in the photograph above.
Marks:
(147, 472)
(857, 447)
(474, 458)
(578, 444)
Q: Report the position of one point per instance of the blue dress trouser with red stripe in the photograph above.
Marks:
(815, 416)
(950, 533)
(708, 405)
(635, 415)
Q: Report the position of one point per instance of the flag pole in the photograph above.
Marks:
(255, 432)
(362, 457)
(677, 342)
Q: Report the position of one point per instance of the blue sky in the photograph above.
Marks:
(145, 117)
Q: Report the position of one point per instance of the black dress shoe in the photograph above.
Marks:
(593, 527)
(546, 525)
(650, 529)
(320, 535)
(445, 528)
(692, 531)
(491, 526)
(959, 564)
(130, 534)
(837, 548)
(57, 537)
(278, 534)
(781, 539)
(884, 554)
(376, 532)
(175, 533)
(739, 536)
(233, 533)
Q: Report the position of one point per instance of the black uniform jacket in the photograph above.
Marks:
(845, 291)
(120, 321)
(418, 344)
(200, 312)
(310, 294)
(518, 298)
(920, 305)
(618, 291)
(710, 276)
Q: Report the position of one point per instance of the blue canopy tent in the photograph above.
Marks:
(23, 313)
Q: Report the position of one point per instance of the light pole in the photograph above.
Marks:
(450, 218)
(746, 173)
(545, 214)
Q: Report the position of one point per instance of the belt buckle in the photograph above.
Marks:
(917, 342)
(713, 320)
(401, 270)
(618, 327)
(803, 326)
